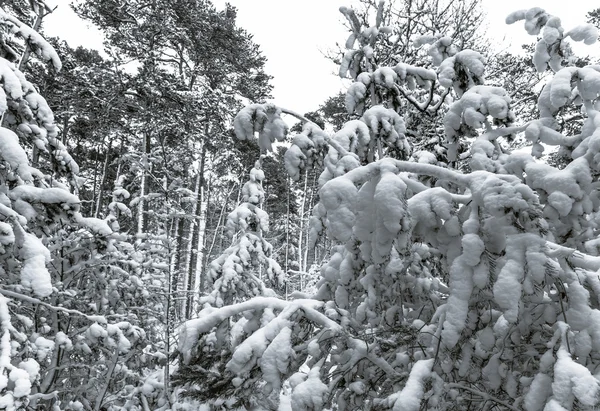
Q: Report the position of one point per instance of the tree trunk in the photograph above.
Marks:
(196, 270)
(103, 181)
(287, 235)
(309, 256)
(143, 203)
(300, 254)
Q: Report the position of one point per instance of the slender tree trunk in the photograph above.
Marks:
(95, 183)
(300, 253)
(192, 233)
(192, 238)
(287, 235)
(195, 273)
(199, 271)
(103, 181)
(109, 374)
(311, 250)
(51, 375)
(167, 371)
(143, 203)
(173, 256)
(218, 226)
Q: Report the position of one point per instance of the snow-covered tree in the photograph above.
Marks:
(243, 271)
(77, 329)
(447, 289)
(194, 65)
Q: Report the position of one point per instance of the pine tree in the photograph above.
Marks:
(240, 273)
(195, 64)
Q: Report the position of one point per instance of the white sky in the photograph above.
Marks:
(294, 34)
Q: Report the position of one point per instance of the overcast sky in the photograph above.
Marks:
(293, 35)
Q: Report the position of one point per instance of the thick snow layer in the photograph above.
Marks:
(474, 107)
(386, 125)
(573, 181)
(409, 398)
(457, 306)
(534, 19)
(210, 317)
(275, 359)
(500, 194)
(50, 195)
(12, 152)
(309, 395)
(63, 341)
(539, 391)
(389, 201)
(470, 62)
(573, 380)
(20, 378)
(338, 196)
(42, 48)
(34, 274)
(43, 347)
(95, 225)
(307, 148)
(353, 137)
(32, 367)
(441, 47)
(248, 120)
(7, 236)
(252, 349)
(11, 84)
(264, 119)
(587, 33)
(355, 97)
(431, 206)
(349, 63)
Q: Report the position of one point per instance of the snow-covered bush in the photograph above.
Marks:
(445, 290)
(67, 281)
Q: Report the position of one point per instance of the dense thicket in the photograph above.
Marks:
(464, 278)
(426, 240)
(110, 203)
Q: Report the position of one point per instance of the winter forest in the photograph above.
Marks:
(172, 239)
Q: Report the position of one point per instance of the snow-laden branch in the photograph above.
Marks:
(503, 131)
(575, 257)
(422, 107)
(191, 330)
(95, 318)
(361, 174)
(327, 138)
(44, 49)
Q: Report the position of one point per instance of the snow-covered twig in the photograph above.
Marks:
(575, 257)
(327, 138)
(421, 107)
(12, 294)
(41, 396)
(483, 395)
(503, 131)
